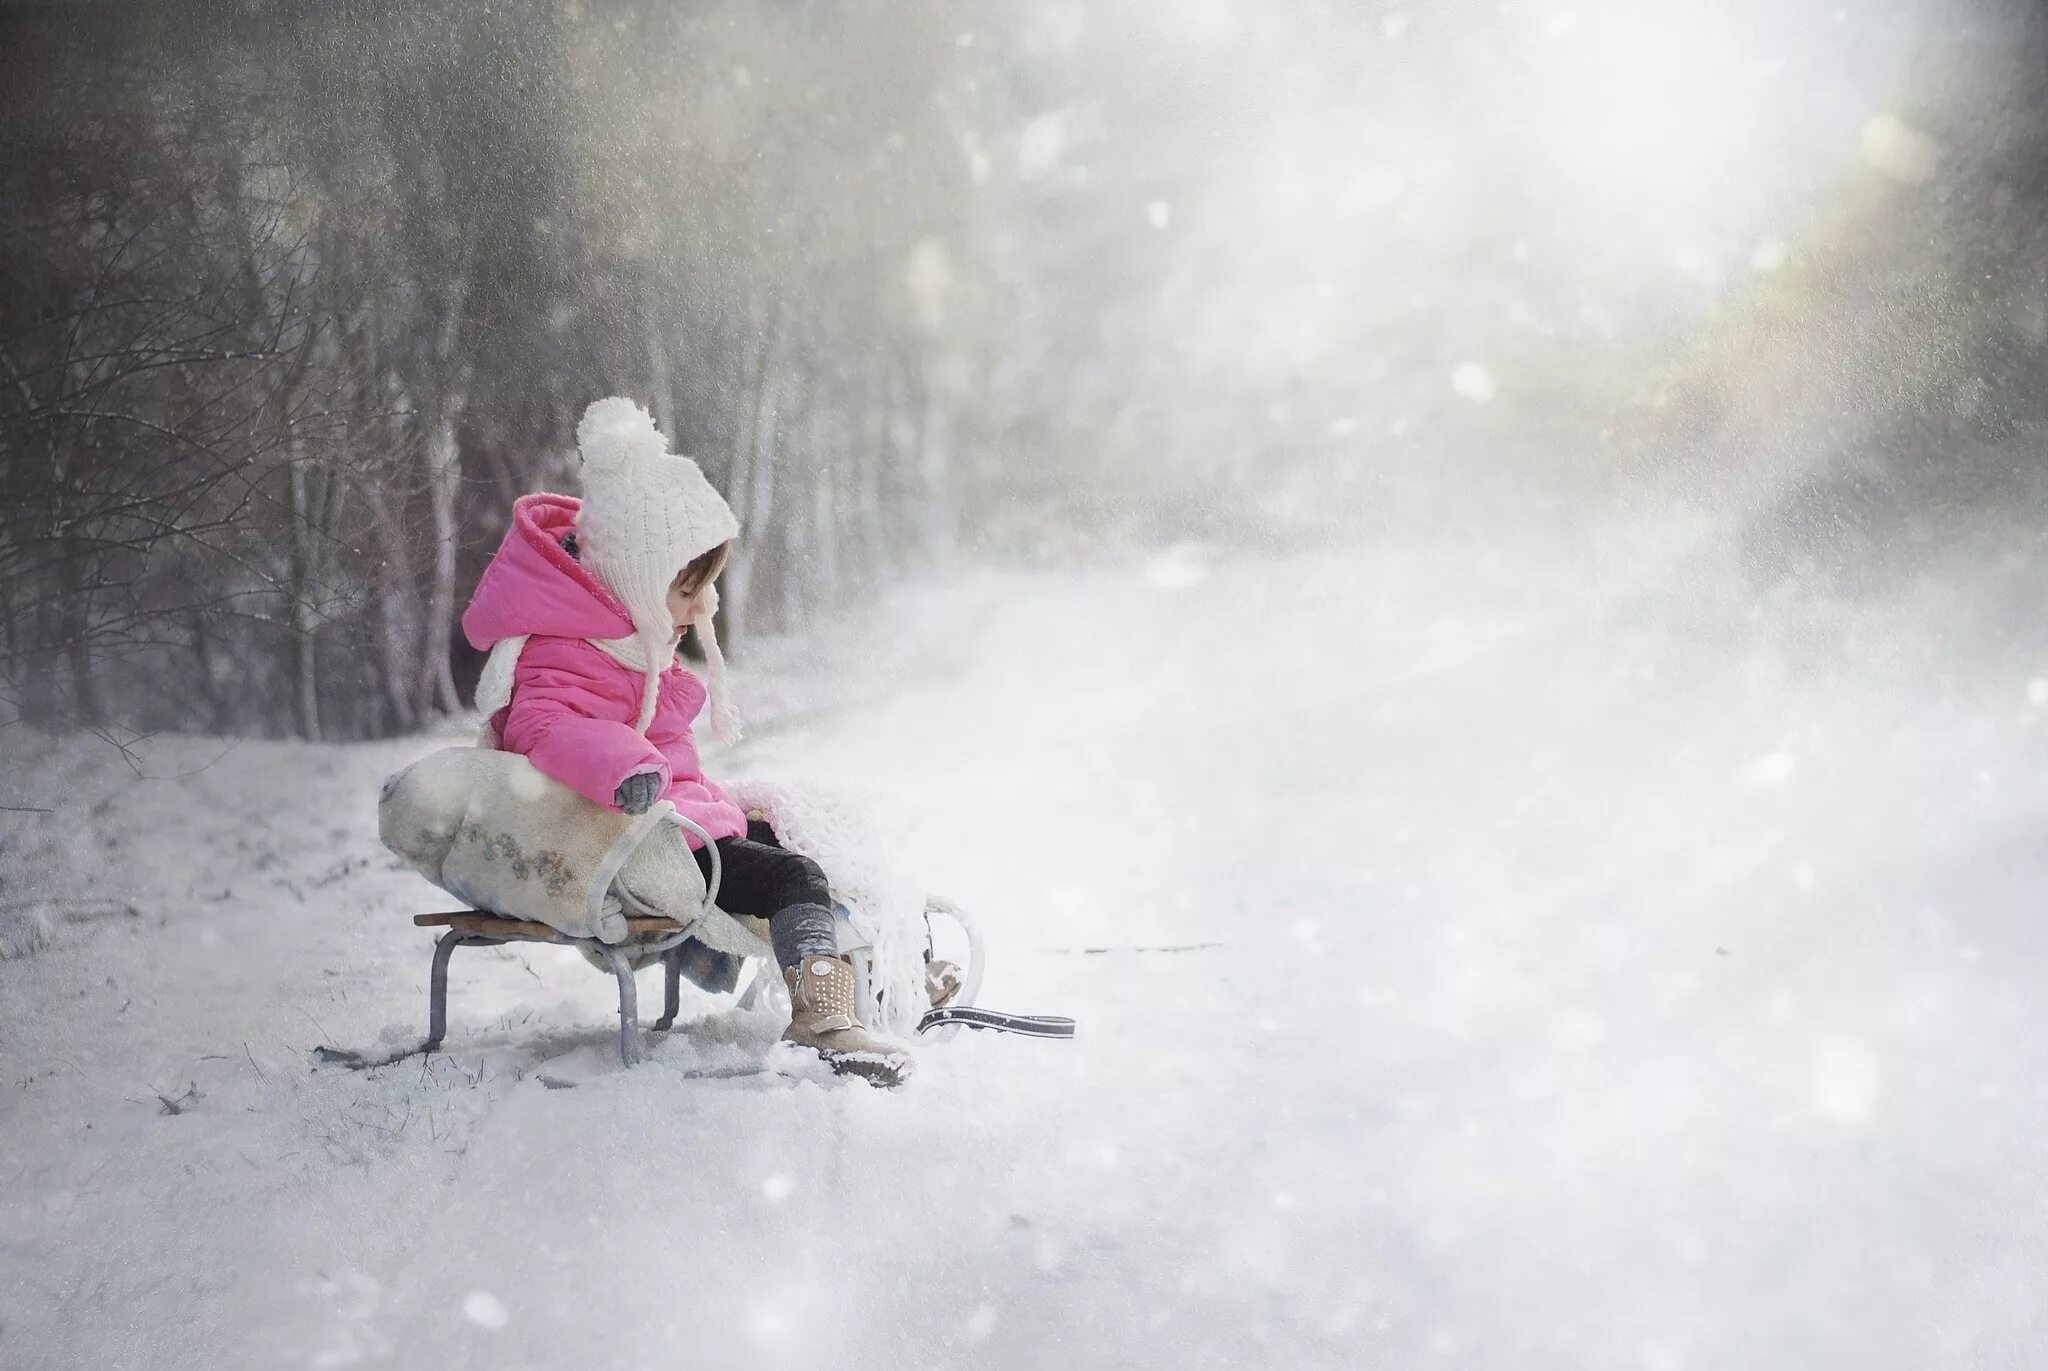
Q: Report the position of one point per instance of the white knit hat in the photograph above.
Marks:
(647, 513)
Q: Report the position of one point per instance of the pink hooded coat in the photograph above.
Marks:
(573, 706)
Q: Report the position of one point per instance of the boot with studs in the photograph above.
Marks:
(821, 1018)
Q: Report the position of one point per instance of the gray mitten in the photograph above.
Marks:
(636, 794)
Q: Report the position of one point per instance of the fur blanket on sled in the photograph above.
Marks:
(491, 830)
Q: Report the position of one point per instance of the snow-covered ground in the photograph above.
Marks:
(1586, 982)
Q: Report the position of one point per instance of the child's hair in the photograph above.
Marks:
(704, 568)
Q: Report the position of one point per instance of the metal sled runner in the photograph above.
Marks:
(475, 928)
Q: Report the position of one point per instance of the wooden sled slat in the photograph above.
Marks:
(526, 930)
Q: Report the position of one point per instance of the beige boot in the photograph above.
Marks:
(821, 1018)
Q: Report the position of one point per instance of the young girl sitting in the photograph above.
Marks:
(581, 610)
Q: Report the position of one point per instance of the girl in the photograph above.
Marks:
(581, 610)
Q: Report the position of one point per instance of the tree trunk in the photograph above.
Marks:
(825, 538)
(748, 492)
(12, 696)
(436, 682)
(398, 617)
(219, 716)
(914, 530)
(941, 521)
(660, 384)
(443, 458)
(304, 620)
(75, 616)
(872, 551)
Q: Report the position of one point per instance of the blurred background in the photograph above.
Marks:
(294, 300)
(1458, 582)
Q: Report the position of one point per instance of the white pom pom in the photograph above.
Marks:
(613, 430)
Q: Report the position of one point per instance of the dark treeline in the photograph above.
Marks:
(294, 300)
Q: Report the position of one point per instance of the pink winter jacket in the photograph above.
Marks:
(573, 707)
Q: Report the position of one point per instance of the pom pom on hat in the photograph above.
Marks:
(614, 431)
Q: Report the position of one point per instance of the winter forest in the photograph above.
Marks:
(1457, 582)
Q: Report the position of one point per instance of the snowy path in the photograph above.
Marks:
(1587, 999)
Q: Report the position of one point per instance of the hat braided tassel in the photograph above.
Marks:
(725, 716)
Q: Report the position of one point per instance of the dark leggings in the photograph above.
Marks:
(761, 879)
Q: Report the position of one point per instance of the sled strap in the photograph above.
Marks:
(676, 817)
(1030, 1025)
(629, 842)
(623, 848)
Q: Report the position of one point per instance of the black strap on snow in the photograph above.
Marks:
(1030, 1025)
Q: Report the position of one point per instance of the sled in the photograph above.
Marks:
(665, 937)
(427, 818)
